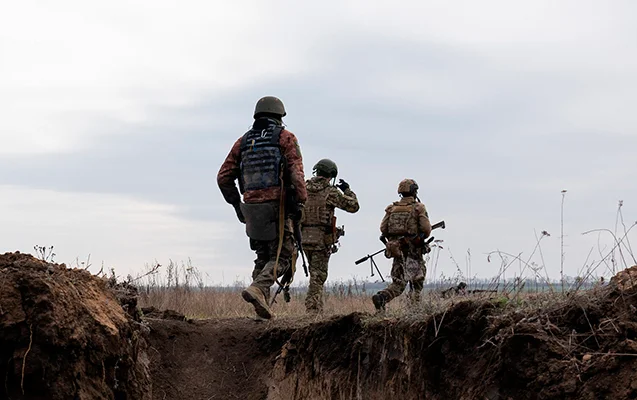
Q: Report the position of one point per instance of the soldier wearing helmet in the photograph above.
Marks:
(404, 227)
(319, 231)
(260, 161)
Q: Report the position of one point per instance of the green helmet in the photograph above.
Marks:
(326, 168)
(408, 187)
(270, 105)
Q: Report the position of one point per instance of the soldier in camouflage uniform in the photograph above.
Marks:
(405, 226)
(319, 229)
(261, 160)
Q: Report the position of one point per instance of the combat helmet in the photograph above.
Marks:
(408, 187)
(269, 105)
(326, 168)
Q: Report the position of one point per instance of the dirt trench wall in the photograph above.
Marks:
(64, 335)
(473, 351)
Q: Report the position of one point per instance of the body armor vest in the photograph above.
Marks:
(260, 158)
(402, 220)
(316, 212)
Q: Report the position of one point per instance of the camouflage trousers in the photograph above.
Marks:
(400, 279)
(263, 273)
(318, 260)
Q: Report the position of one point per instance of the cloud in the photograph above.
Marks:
(493, 107)
(121, 232)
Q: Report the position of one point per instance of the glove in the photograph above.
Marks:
(297, 213)
(342, 185)
(237, 209)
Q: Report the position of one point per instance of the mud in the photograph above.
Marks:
(581, 347)
(78, 336)
(65, 335)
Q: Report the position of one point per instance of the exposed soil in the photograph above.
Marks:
(78, 336)
(65, 335)
(579, 348)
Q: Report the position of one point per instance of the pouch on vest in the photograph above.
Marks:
(261, 220)
(401, 221)
(393, 249)
(313, 237)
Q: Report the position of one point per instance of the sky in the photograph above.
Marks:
(116, 116)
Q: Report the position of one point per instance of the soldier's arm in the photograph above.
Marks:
(228, 173)
(292, 153)
(424, 225)
(346, 201)
(384, 224)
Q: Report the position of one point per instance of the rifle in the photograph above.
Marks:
(293, 211)
(337, 233)
(288, 274)
(383, 239)
(372, 263)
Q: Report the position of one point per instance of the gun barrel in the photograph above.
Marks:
(367, 257)
(440, 224)
(362, 260)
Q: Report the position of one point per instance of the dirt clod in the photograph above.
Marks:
(64, 334)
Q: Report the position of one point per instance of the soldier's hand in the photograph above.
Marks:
(237, 209)
(297, 213)
(342, 185)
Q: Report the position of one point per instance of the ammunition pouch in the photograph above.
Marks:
(261, 220)
(393, 249)
(315, 238)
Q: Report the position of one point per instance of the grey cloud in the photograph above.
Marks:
(473, 159)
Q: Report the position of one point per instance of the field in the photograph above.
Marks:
(68, 333)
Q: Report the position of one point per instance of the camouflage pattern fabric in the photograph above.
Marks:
(263, 273)
(346, 201)
(419, 223)
(319, 255)
(319, 261)
(407, 256)
(400, 280)
(230, 172)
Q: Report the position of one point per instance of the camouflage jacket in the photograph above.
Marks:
(346, 200)
(230, 171)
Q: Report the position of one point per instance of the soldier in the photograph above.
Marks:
(319, 230)
(404, 226)
(267, 162)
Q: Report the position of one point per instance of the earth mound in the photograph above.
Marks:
(582, 345)
(64, 334)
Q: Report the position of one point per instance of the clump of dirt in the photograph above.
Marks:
(153, 312)
(64, 334)
(579, 346)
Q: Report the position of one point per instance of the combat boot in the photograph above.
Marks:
(379, 301)
(255, 296)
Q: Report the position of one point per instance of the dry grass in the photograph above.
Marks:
(228, 303)
(205, 302)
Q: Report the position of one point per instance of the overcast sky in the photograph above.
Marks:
(115, 117)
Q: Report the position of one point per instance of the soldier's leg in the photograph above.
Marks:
(262, 250)
(265, 279)
(416, 285)
(416, 289)
(319, 261)
(395, 288)
(398, 284)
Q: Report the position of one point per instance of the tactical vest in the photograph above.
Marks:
(316, 225)
(260, 159)
(402, 220)
(316, 212)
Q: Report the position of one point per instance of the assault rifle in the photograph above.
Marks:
(293, 210)
(383, 239)
(337, 233)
